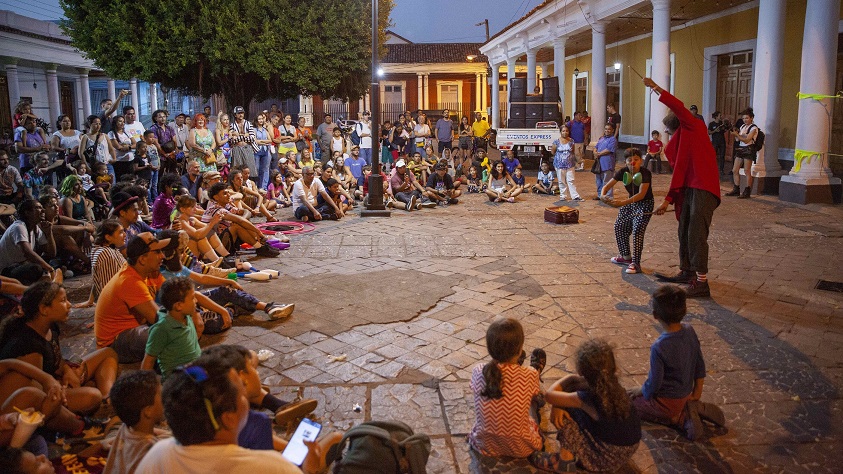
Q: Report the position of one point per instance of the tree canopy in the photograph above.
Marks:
(246, 49)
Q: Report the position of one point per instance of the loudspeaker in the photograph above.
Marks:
(534, 110)
(530, 123)
(550, 89)
(550, 112)
(515, 123)
(518, 89)
(518, 111)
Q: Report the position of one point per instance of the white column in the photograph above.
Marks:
(767, 83)
(367, 102)
(420, 79)
(496, 96)
(112, 90)
(661, 61)
(819, 61)
(559, 67)
(531, 70)
(78, 119)
(361, 105)
(306, 109)
(133, 87)
(510, 75)
(598, 79)
(52, 92)
(14, 85)
(86, 93)
(153, 97)
(426, 91)
(477, 94)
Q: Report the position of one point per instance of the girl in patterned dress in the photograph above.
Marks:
(599, 429)
(506, 396)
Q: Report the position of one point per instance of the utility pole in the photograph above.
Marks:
(376, 206)
(485, 22)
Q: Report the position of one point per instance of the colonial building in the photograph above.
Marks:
(721, 56)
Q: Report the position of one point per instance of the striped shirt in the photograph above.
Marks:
(247, 134)
(503, 426)
(105, 263)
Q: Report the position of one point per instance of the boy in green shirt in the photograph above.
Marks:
(173, 340)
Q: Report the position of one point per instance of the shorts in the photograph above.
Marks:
(130, 345)
(465, 143)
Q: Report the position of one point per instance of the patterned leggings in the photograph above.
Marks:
(633, 219)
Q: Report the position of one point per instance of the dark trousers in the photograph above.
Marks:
(720, 151)
(25, 272)
(658, 161)
(442, 145)
(237, 302)
(303, 210)
(405, 196)
(694, 221)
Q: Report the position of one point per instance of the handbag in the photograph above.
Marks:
(90, 152)
(596, 168)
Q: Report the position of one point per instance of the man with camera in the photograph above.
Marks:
(716, 129)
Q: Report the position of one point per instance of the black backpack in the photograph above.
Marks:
(381, 447)
(759, 139)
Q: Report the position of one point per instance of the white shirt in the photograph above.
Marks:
(301, 192)
(123, 138)
(169, 457)
(10, 251)
(135, 130)
(363, 127)
(71, 142)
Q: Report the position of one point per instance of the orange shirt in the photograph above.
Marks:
(126, 289)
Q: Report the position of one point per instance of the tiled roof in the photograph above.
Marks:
(433, 53)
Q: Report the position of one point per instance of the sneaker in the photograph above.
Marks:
(412, 204)
(698, 289)
(267, 251)
(578, 199)
(291, 412)
(279, 311)
(621, 260)
(633, 268)
(389, 202)
(596, 198)
(712, 413)
(453, 201)
(684, 276)
(442, 203)
(538, 360)
(692, 426)
(427, 204)
(552, 462)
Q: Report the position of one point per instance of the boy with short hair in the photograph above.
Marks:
(654, 152)
(136, 398)
(544, 180)
(671, 394)
(173, 339)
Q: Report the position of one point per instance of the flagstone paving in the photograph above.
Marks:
(392, 312)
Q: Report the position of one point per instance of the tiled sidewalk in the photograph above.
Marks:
(391, 315)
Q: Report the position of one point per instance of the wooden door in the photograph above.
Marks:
(836, 143)
(66, 100)
(734, 86)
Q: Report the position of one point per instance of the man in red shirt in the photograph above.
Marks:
(694, 190)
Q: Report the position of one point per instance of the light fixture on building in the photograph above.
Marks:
(380, 72)
(576, 72)
(471, 57)
(617, 66)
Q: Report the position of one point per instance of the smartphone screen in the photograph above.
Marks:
(296, 451)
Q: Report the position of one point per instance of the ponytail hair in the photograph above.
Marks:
(596, 363)
(504, 340)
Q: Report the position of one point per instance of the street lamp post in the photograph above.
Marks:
(375, 207)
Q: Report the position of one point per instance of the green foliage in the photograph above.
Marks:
(242, 49)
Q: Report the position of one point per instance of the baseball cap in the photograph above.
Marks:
(143, 243)
(238, 109)
(283, 159)
(122, 200)
(329, 164)
(400, 164)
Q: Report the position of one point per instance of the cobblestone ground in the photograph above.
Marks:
(392, 312)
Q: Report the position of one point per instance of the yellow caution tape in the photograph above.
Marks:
(802, 95)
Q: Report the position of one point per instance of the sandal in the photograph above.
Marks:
(538, 360)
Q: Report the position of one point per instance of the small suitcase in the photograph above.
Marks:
(562, 215)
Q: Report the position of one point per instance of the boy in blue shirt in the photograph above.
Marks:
(671, 394)
(544, 181)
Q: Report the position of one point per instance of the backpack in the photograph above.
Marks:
(355, 137)
(759, 139)
(381, 447)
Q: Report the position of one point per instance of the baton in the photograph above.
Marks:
(636, 72)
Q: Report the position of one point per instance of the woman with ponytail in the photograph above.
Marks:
(507, 395)
(599, 429)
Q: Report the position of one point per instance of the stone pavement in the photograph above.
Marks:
(392, 312)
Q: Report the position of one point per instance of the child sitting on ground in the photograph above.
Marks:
(671, 394)
(544, 181)
(333, 189)
(173, 340)
(599, 430)
(136, 398)
(475, 183)
(507, 396)
(518, 179)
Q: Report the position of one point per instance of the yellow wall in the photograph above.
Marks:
(688, 45)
